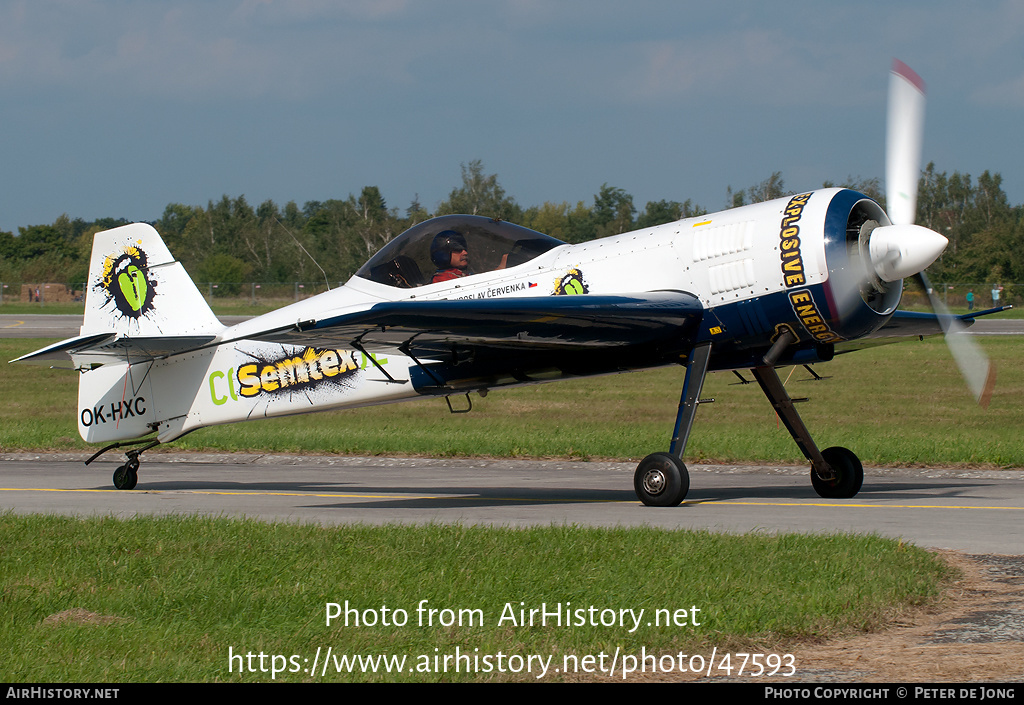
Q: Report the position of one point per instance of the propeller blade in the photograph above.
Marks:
(888, 254)
(904, 136)
(978, 372)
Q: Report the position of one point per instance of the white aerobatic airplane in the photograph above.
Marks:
(786, 282)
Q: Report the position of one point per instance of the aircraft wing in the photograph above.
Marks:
(911, 324)
(566, 323)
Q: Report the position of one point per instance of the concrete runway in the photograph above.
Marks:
(971, 511)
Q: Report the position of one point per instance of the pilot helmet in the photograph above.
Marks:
(444, 244)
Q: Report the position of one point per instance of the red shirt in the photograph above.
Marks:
(443, 275)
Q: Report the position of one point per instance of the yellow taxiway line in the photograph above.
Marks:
(482, 498)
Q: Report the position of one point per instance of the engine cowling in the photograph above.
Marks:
(868, 257)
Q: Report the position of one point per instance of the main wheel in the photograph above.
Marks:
(849, 474)
(661, 480)
(126, 476)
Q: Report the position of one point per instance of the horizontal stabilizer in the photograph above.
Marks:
(59, 354)
(100, 345)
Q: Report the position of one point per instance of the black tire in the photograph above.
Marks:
(126, 476)
(849, 474)
(661, 480)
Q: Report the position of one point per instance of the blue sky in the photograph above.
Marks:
(119, 108)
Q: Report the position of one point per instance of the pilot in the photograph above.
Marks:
(449, 254)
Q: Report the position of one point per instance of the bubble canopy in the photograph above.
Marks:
(405, 262)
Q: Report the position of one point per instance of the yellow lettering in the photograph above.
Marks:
(311, 366)
(329, 363)
(312, 359)
(812, 320)
(248, 380)
(299, 370)
(269, 378)
(288, 371)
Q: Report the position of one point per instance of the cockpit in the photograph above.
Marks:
(422, 253)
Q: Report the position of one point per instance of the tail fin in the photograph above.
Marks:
(141, 295)
(140, 305)
(137, 289)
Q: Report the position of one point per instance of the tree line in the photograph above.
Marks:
(230, 240)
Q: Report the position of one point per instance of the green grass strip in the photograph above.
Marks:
(165, 599)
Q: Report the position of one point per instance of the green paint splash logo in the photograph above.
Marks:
(572, 283)
(125, 283)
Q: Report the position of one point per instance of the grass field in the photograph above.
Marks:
(894, 405)
(103, 600)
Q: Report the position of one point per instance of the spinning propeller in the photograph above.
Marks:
(904, 249)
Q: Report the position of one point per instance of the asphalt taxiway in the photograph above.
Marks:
(964, 510)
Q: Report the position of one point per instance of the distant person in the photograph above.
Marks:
(995, 295)
(449, 254)
(970, 300)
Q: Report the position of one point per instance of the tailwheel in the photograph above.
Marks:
(849, 474)
(127, 476)
(661, 480)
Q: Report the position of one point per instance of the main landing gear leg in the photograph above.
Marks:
(661, 479)
(836, 473)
